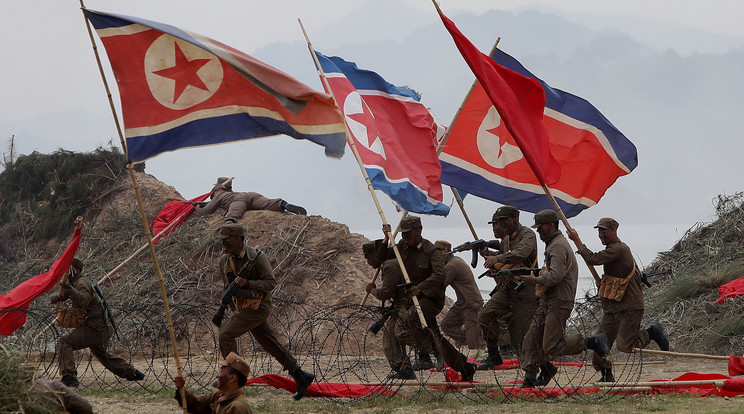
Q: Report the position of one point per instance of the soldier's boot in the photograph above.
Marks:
(547, 372)
(291, 208)
(404, 374)
(468, 372)
(70, 381)
(598, 343)
(607, 376)
(493, 360)
(137, 376)
(657, 334)
(303, 380)
(423, 362)
(529, 383)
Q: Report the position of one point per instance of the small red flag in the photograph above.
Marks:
(176, 210)
(14, 304)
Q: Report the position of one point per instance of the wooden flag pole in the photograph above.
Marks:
(366, 176)
(679, 354)
(145, 224)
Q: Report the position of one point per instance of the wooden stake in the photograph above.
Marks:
(145, 224)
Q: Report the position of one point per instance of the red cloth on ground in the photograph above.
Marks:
(732, 289)
(22, 295)
(323, 389)
(736, 365)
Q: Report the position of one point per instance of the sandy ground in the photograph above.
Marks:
(269, 400)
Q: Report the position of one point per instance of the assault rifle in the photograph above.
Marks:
(387, 312)
(107, 315)
(474, 246)
(513, 274)
(233, 290)
(645, 276)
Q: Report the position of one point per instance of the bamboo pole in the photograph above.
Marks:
(716, 383)
(680, 354)
(371, 189)
(141, 207)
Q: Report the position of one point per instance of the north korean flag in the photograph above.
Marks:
(394, 133)
(482, 158)
(180, 89)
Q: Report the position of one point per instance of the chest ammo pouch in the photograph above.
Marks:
(254, 301)
(613, 287)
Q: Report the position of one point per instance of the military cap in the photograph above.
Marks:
(368, 248)
(232, 229)
(409, 223)
(237, 363)
(77, 264)
(220, 186)
(444, 245)
(504, 211)
(545, 217)
(607, 223)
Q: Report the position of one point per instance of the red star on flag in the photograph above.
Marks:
(184, 73)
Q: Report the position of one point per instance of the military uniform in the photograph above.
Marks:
(236, 204)
(424, 264)
(218, 402)
(260, 279)
(519, 250)
(461, 321)
(620, 320)
(253, 304)
(93, 334)
(392, 345)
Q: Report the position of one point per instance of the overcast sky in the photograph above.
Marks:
(49, 70)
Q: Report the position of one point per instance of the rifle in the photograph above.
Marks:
(233, 290)
(475, 246)
(645, 276)
(387, 312)
(195, 203)
(513, 274)
(107, 315)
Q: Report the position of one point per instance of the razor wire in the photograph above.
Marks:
(335, 343)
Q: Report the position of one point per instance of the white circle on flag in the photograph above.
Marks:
(362, 124)
(495, 151)
(180, 74)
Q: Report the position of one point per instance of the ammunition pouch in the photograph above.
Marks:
(613, 287)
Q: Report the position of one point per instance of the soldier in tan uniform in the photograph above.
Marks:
(546, 336)
(621, 319)
(392, 343)
(518, 248)
(461, 321)
(94, 333)
(253, 274)
(229, 397)
(424, 264)
(236, 204)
